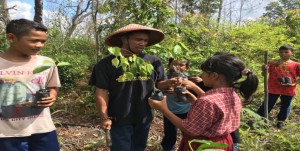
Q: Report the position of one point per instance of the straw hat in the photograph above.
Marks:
(114, 39)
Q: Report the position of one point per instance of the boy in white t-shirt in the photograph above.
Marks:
(25, 119)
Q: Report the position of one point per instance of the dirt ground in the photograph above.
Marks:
(85, 134)
(81, 134)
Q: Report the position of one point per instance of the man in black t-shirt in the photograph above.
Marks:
(123, 106)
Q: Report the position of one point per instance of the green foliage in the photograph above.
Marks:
(48, 64)
(132, 66)
(205, 144)
(278, 9)
(205, 7)
(76, 71)
(191, 38)
(3, 41)
(78, 53)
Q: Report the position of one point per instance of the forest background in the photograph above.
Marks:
(193, 30)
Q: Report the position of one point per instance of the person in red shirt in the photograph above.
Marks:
(282, 81)
(215, 114)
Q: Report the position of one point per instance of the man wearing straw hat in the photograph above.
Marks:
(123, 106)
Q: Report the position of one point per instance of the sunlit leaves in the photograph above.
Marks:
(63, 64)
(207, 144)
(48, 63)
(114, 51)
(133, 66)
(40, 69)
(115, 62)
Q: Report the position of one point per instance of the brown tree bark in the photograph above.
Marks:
(220, 11)
(4, 12)
(80, 15)
(38, 8)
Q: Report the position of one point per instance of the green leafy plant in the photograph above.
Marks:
(132, 66)
(48, 64)
(205, 144)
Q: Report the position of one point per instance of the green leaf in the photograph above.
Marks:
(63, 64)
(115, 51)
(48, 61)
(143, 70)
(149, 68)
(130, 58)
(124, 61)
(40, 69)
(115, 62)
(184, 46)
(139, 60)
(121, 79)
(124, 67)
(177, 50)
(129, 76)
(206, 144)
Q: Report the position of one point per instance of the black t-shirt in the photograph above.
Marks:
(128, 101)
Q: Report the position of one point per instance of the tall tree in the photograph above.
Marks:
(81, 12)
(204, 7)
(38, 11)
(4, 15)
(220, 11)
(278, 9)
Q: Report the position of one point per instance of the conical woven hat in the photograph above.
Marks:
(114, 39)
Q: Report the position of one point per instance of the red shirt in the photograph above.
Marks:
(276, 71)
(217, 113)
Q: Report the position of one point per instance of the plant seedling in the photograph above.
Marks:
(43, 92)
(157, 95)
(133, 66)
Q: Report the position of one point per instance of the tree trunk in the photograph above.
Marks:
(4, 11)
(38, 8)
(80, 15)
(241, 10)
(220, 11)
(95, 5)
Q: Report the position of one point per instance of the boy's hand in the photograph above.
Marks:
(265, 67)
(46, 102)
(289, 84)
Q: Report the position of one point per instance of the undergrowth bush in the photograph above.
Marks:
(75, 72)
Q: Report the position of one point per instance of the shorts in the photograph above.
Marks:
(35, 142)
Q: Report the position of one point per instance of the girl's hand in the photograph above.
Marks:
(173, 82)
(159, 105)
(191, 97)
(189, 84)
(195, 79)
(193, 87)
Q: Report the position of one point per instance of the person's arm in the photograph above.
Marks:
(192, 86)
(195, 79)
(101, 98)
(162, 107)
(166, 84)
(49, 101)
